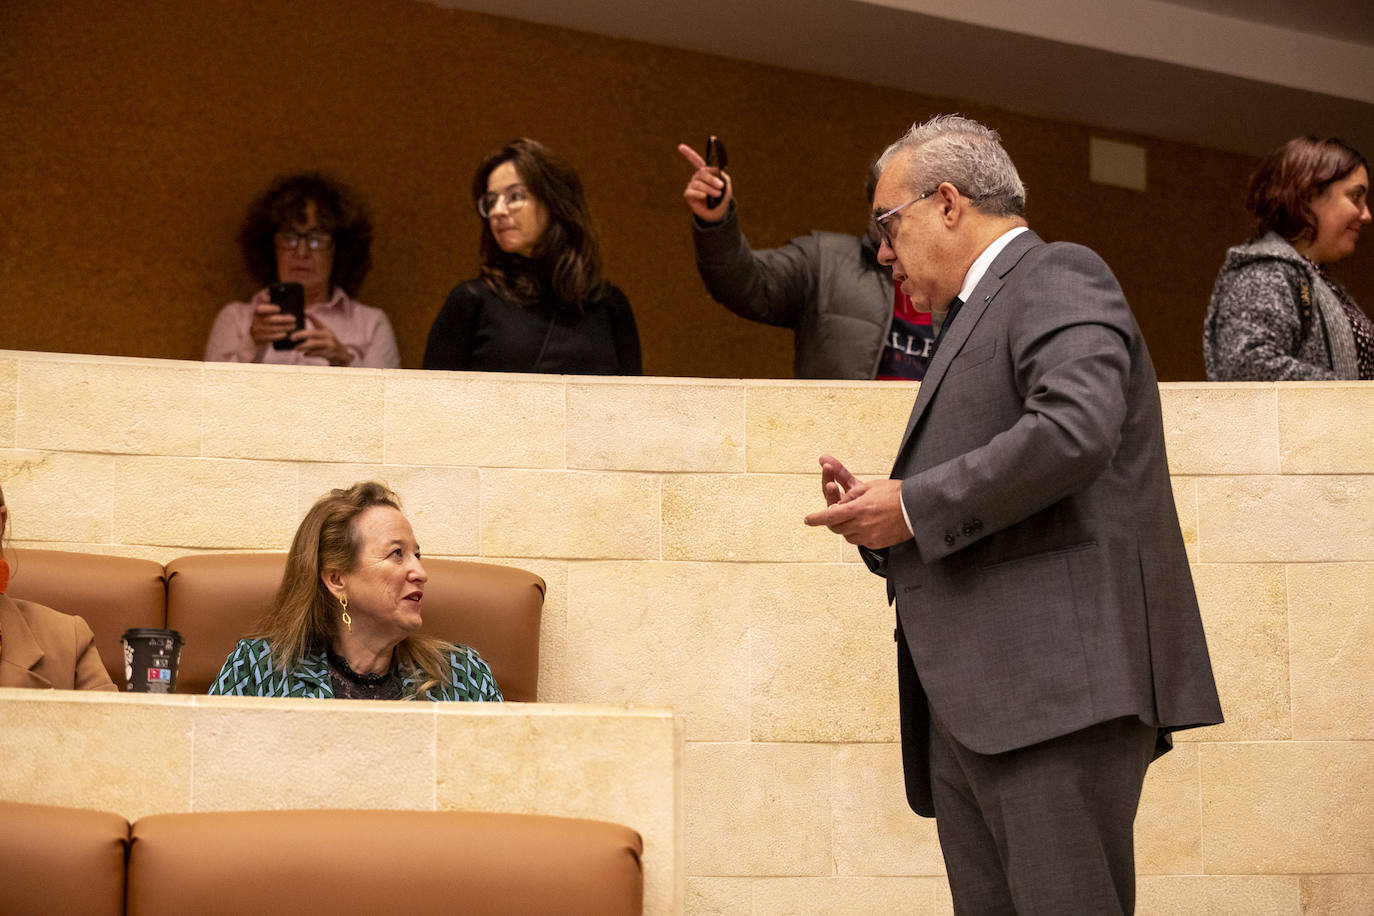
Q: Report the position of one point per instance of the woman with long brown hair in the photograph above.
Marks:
(540, 303)
(345, 619)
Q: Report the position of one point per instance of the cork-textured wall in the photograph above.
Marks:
(134, 133)
(665, 516)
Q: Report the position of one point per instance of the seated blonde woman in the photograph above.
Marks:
(344, 622)
(40, 647)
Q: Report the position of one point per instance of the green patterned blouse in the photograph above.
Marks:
(248, 672)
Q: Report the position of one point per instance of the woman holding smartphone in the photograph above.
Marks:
(540, 303)
(307, 239)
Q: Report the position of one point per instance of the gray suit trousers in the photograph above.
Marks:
(1045, 830)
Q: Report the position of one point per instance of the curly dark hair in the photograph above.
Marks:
(1291, 177)
(341, 212)
(567, 257)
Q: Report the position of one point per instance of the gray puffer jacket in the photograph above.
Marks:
(1273, 318)
(838, 303)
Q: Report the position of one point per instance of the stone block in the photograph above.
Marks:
(755, 517)
(145, 407)
(719, 897)
(847, 896)
(790, 424)
(944, 900)
(1245, 615)
(663, 634)
(58, 496)
(1185, 502)
(158, 554)
(757, 809)
(205, 502)
(1336, 895)
(441, 503)
(1217, 895)
(570, 514)
(1313, 519)
(475, 419)
(658, 425)
(606, 764)
(366, 754)
(875, 832)
(586, 761)
(293, 413)
(1287, 808)
(823, 664)
(125, 753)
(1220, 429)
(1332, 654)
(9, 400)
(1325, 429)
(1168, 823)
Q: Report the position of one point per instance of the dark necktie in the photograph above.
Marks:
(944, 325)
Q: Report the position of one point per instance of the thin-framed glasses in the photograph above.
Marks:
(880, 220)
(315, 241)
(516, 196)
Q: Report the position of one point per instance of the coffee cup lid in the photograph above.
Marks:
(151, 633)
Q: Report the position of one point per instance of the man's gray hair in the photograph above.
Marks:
(966, 154)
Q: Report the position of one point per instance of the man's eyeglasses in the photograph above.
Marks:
(880, 220)
(515, 198)
(315, 241)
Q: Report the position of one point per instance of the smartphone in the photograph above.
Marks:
(290, 297)
(716, 159)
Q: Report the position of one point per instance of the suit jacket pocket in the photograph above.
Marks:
(1042, 555)
(1033, 673)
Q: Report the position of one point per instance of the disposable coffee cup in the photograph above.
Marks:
(150, 659)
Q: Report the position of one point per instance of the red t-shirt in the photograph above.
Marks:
(907, 350)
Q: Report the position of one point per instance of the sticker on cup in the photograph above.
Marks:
(150, 659)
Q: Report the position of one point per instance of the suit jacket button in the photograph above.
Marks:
(949, 538)
(969, 530)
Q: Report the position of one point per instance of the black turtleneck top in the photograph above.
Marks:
(479, 330)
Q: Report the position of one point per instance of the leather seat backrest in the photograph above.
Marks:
(382, 862)
(61, 860)
(214, 600)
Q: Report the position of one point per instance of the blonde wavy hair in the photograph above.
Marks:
(304, 616)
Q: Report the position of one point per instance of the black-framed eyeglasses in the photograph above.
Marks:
(880, 219)
(315, 240)
(516, 196)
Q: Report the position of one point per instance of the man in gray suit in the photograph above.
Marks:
(1049, 636)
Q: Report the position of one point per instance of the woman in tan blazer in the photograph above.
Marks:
(40, 647)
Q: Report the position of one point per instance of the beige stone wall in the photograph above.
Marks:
(666, 517)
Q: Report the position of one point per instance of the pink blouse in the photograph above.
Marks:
(363, 330)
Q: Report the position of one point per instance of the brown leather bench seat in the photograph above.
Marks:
(215, 599)
(62, 860)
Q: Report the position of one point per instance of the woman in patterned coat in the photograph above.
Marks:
(1276, 314)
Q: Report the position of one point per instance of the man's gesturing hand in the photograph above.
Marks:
(868, 513)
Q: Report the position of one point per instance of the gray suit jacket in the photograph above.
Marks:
(1047, 587)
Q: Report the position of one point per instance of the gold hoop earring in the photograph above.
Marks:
(348, 621)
